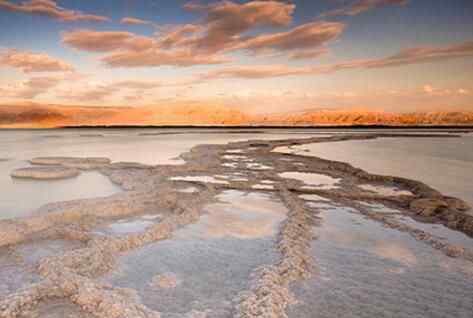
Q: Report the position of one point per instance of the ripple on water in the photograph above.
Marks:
(367, 270)
(205, 265)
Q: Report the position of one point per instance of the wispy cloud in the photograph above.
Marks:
(404, 57)
(305, 37)
(106, 41)
(29, 62)
(226, 21)
(360, 6)
(223, 30)
(30, 88)
(135, 21)
(130, 50)
(50, 9)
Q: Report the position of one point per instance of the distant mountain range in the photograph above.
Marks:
(49, 116)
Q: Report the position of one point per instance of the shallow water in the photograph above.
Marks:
(147, 146)
(208, 263)
(312, 180)
(384, 190)
(57, 308)
(439, 231)
(366, 270)
(416, 158)
(20, 197)
(128, 226)
(17, 268)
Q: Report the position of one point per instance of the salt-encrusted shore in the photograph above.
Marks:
(73, 275)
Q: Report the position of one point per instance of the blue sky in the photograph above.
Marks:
(376, 33)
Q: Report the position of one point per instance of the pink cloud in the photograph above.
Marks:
(225, 21)
(50, 8)
(29, 62)
(179, 35)
(404, 57)
(134, 21)
(31, 88)
(222, 30)
(305, 37)
(130, 50)
(98, 41)
(157, 57)
(309, 54)
(360, 6)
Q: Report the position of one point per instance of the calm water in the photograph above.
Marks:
(211, 261)
(148, 146)
(420, 159)
(367, 270)
(445, 164)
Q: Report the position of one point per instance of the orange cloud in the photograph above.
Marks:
(305, 37)
(157, 57)
(29, 62)
(97, 41)
(90, 94)
(31, 87)
(134, 21)
(226, 20)
(179, 35)
(308, 54)
(255, 72)
(130, 50)
(404, 57)
(50, 8)
(360, 6)
(222, 30)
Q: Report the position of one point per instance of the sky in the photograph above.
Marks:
(256, 56)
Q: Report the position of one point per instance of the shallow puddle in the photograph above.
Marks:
(188, 190)
(89, 184)
(312, 197)
(312, 180)
(367, 270)
(379, 208)
(129, 226)
(258, 166)
(262, 187)
(234, 157)
(204, 179)
(440, 232)
(56, 308)
(205, 265)
(17, 265)
(384, 190)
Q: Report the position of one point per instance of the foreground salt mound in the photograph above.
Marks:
(72, 162)
(45, 173)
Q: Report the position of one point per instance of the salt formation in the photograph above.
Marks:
(45, 173)
(74, 275)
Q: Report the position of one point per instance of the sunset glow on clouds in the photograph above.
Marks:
(252, 56)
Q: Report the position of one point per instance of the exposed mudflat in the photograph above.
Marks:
(239, 230)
